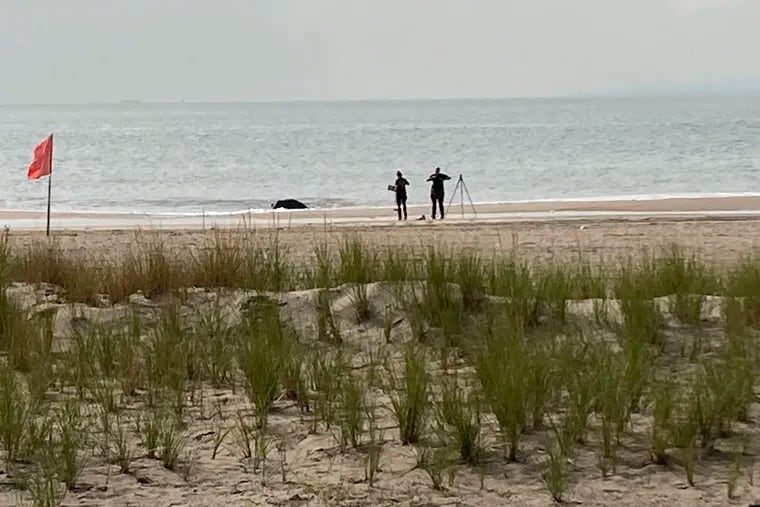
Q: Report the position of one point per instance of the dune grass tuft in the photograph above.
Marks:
(326, 370)
(353, 410)
(263, 356)
(15, 415)
(410, 394)
(502, 368)
(459, 417)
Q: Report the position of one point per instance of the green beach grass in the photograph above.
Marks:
(497, 356)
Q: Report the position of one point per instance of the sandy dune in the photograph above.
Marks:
(307, 468)
(316, 473)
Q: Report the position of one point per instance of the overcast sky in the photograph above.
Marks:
(54, 51)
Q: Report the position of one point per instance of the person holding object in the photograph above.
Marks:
(436, 190)
(400, 188)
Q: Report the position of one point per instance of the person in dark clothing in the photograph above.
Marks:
(436, 190)
(400, 187)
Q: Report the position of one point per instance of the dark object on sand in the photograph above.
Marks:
(289, 204)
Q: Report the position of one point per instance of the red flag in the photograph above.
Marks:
(42, 165)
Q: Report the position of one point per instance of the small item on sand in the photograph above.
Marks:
(289, 204)
(421, 218)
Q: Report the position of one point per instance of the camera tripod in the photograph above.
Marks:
(462, 187)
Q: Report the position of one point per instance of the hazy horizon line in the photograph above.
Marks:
(755, 91)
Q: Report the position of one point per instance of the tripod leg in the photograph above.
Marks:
(453, 194)
(461, 199)
(464, 185)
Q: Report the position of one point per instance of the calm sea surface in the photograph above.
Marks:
(188, 158)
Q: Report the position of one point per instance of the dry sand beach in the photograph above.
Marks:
(718, 239)
(719, 229)
(306, 463)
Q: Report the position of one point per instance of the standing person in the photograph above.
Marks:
(400, 187)
(436, 190)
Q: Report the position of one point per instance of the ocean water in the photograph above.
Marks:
(220, 158)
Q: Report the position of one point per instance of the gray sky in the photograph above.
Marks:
(54, 51)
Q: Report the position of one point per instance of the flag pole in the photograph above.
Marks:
(50, 185)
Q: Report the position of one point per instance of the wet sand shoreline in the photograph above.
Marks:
(734, 206)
